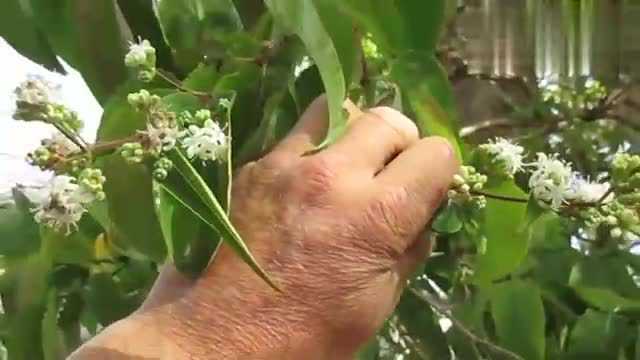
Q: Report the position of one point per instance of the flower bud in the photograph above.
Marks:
(616, 233)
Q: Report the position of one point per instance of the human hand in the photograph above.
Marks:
(339, 230)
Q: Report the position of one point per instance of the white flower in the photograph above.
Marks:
(506, 153)
(208, 142)
(61, 204)
(585, 191)
(551, 180)
(36, 90)
(140, 53)
(225, 103)
(161, 138)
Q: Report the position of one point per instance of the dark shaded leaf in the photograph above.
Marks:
(19, 29)
(519, 318)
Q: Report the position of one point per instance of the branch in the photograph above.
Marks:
(166, 77)
(500, 197)
(463, 329)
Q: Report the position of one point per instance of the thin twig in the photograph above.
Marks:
(500, 197)
(69, 135)
(463, 329)
(179, 85)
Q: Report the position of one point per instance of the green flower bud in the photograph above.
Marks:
(160, 174)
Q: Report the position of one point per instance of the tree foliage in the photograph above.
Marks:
(517, 275)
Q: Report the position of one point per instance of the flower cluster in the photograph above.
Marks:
(614, 220)
(505, 155)
(197, 133)
(207, 142)
(463, 186)
(550, 180)
(36, 100)
(52, 152)
(562, 96)
(61, 204)
(142, 58)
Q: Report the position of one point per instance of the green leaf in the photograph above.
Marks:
(519, 318)
(425, 84)
(469, 312)
(407, 31)
(19, 29)
(202, 78)
(423, 22)
(506, 241)
(24, 305)
(341, 29)
(605, 283)
(423, 326)
(182, 232)
(534, 211)
(304, 19)
(598, 335)
(134, 225)
(106, 300)
(19, 232)
(195, 28)
(52, 342)
(369, 351)
(216, 216)
(448, 220)
(88, 36)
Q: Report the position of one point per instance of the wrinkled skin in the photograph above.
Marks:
(339, 230)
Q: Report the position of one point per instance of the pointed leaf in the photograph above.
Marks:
(303, 18)
(216, 216)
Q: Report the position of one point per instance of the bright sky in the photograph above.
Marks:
(17, 138)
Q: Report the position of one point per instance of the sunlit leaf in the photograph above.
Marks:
(303, 18)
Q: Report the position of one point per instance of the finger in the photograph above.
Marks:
(375, 138)
(415, 255)
(424, 172)
(312, 127)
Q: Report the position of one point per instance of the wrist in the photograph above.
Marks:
(238, 324)
(134, 337)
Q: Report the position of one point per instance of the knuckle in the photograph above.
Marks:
(270, 167)
(440, 147)
(397, 121)
(314, 178)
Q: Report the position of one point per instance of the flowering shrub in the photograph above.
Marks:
(533, 256)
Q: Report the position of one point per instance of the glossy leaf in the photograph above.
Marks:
(506, 240)
(303, 18)
(519, 318)
(134, 225)
(447, 220)
(216, 216)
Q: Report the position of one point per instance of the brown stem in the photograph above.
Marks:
(166, 77)
(500, 197)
